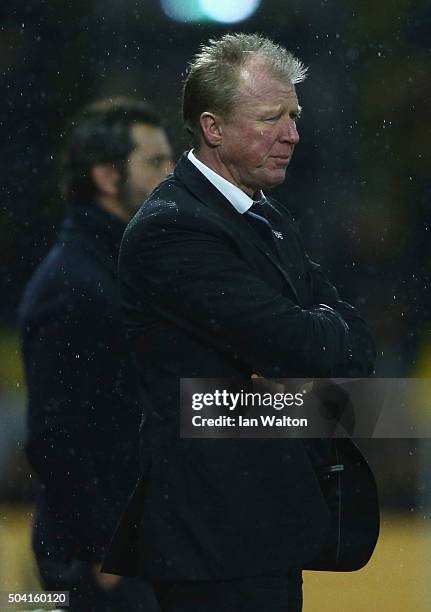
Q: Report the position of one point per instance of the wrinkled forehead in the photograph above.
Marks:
(149, 137)
(256, 81)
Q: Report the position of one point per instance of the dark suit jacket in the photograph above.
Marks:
(83, 402)
(205, 298)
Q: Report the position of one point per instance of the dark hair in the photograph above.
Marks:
(212, 80)
(100, 134)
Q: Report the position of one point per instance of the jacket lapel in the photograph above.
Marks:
(291, 253)
(211, 197)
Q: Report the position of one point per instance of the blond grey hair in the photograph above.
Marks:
(212, 82)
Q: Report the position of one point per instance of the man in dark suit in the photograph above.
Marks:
(84, 406)
(216, 284)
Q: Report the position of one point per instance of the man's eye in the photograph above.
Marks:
(275, 118)
(157, 162)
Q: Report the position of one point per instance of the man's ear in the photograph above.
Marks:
(211, 129)
(106, 178)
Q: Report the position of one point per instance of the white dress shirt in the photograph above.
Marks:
(239, 200)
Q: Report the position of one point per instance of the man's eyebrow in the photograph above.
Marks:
(272, 109)
(278, 109)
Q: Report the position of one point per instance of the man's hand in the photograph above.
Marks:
(106, 582)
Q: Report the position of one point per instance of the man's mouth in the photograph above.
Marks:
(281, 159)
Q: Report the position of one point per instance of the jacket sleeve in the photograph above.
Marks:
(361, 354)
(188, 270)
(70, 366)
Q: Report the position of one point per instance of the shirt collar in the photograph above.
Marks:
(239, 200)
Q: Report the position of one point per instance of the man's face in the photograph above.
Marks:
(148, 164)
(259, 138)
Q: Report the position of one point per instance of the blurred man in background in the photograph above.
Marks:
(84, 404)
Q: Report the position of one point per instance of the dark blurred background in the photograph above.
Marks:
(359, 182)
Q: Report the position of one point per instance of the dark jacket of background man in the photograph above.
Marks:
(212, 292)
(84, 403)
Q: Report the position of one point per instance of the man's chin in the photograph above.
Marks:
(276, 178)
(135, 205)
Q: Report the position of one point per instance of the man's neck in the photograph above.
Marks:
(114, 208)
(210, 158)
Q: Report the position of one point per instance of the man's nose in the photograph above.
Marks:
(290, 133)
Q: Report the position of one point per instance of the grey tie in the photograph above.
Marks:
(256, 218)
